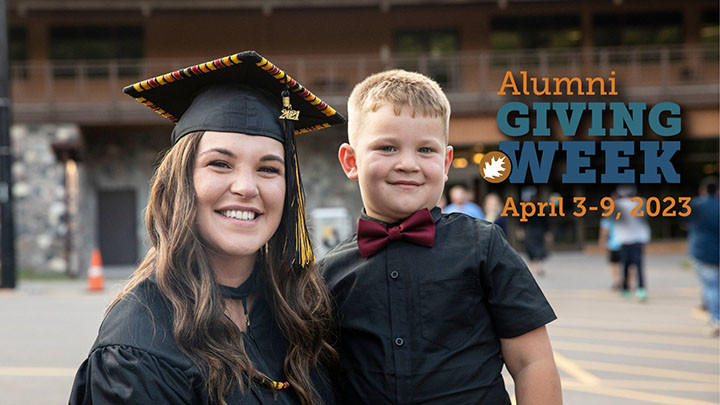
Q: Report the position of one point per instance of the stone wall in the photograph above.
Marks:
(39, 196)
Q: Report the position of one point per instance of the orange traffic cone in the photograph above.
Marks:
(96, 280)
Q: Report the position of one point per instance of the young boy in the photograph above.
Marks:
(430, 305)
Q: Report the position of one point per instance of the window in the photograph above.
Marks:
(526, 32)
(18, 52)
(710, 29)
(555, 34)
(638, 29)
(93, 44)
(710, 35)
(430, 52)
(18, 44)
(645, 32)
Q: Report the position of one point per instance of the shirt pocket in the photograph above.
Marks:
(449, 310)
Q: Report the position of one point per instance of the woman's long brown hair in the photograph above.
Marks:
(298, 296)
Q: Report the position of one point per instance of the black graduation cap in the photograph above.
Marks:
(244, 93)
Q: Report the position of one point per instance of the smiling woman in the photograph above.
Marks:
(227, 306)
(240, 185)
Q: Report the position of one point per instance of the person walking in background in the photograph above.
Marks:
(704, 246)
(460, 202)
(632, 232)
(609, 241)
(493, 206)
(534, 233)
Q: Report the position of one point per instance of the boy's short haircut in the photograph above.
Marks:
(403, 91)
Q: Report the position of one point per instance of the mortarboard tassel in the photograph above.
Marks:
(304, 253)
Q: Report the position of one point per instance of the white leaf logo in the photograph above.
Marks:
(494, 168)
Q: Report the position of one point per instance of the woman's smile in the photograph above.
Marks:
(241, 215)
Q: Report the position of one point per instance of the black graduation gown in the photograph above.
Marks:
(135, 359)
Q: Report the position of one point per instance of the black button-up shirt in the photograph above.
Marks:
(422, 325)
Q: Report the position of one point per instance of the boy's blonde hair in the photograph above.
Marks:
(404, 91)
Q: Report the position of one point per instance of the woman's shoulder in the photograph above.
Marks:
(142, 321)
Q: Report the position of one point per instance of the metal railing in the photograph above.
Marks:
(468, 77)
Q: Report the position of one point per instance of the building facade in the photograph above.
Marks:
(84, 152)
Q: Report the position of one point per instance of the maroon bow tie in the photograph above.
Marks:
(419, 229)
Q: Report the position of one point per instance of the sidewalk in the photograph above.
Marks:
(609, 350)
(577, 271)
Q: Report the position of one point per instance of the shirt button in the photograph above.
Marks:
(394, 274)
(399, 342)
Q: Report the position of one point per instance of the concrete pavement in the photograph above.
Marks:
(609, 350)
(612, 350)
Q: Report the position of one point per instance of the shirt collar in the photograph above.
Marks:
(436, 213)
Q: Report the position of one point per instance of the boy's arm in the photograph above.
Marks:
(529, 359)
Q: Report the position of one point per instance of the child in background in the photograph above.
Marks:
(632, 232)
(535, 234)
(608, 240)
